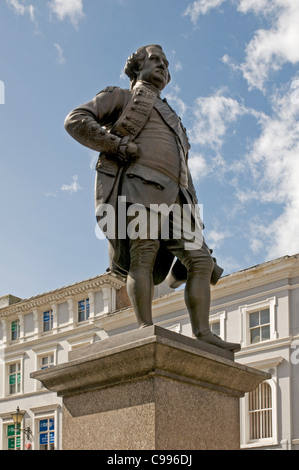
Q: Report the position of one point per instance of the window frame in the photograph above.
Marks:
(85, 310)
(49, 411)
(18, 384)
(260, 410)
(18, 330)
(269, 365)
(246, 310)
(246, 442)
(16, 436)
(220, 318)
(50, 322)
(259, 326)
(47, 432)
(50, 364)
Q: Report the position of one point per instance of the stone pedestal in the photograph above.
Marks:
(150, 389)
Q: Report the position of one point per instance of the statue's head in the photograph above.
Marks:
(148, 63)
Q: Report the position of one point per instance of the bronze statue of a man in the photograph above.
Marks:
(144, 160)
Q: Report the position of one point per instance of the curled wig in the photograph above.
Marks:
(133, 63)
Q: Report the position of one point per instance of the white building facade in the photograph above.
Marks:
(258, 307)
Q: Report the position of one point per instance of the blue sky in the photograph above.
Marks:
(235, 83)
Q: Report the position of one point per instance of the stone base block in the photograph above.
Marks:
(150, 389)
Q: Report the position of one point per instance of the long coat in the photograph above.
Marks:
(101, 124)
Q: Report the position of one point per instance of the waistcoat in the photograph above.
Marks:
(137, 114)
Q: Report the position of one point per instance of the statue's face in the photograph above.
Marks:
(154, 68)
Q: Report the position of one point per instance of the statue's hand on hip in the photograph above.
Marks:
(132, 150)
(127, 150)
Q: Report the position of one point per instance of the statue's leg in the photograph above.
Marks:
(199, 264)
(140, 284)
(187, 244)
(197, 298)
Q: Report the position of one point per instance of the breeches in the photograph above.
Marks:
(197, 262)
(194, 255)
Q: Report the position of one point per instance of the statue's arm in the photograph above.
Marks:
(89, 122)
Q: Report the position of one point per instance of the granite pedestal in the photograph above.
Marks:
(150, 389)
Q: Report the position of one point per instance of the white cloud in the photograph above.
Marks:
(178, 66)
(72, 188)
(60, 55)
(72, 9)
(274, 165)
(20, 9)
(217, 237)
(259, 6)
(212, 115)
(176, 63)
(176, 101)
(122, 75)
(256, 245)
(210, 118)
(268, 49)
(201, 7)
(229, 264)
(198, 166)
(17, 6)
(51, 194)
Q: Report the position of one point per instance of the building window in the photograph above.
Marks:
(215, 327)
(260, 413)
(13, 437)
(46, 433)
(217, 323)
(48, 320)
(259, 322)
(15, 330)
(47, 361)
(259, 326)
(14, 378)
(83, 310)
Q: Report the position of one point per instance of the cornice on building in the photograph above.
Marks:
(163, 305)
(9, 299)
(63, 294)
(286, 267)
